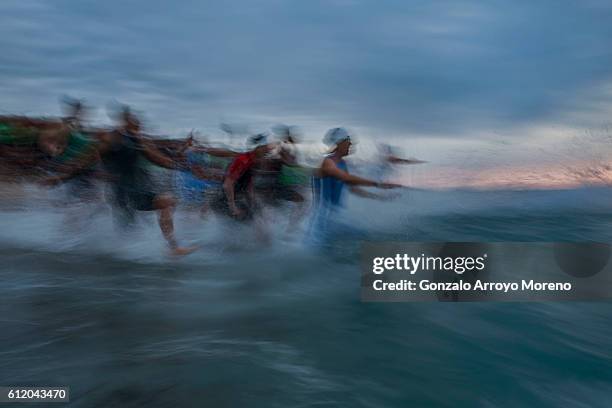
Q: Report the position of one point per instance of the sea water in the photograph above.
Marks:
(106, 312)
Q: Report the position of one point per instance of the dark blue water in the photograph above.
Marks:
(240, 324)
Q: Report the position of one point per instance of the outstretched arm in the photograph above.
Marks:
(203, 174)
(329, 168)
(217, 152)
(399, 160)
(154, 155)
(76, 166)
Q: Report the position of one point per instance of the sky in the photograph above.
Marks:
(437, 77)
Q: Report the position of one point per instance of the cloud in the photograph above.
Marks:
(448, 68)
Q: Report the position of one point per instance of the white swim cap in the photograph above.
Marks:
(336, 136)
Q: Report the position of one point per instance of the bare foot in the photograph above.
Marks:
(182, 251)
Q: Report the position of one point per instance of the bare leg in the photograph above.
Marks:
(164, 204)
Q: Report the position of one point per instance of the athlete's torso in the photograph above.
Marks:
(125, 160)
(328, 190)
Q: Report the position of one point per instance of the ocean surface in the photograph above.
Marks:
(242, 323)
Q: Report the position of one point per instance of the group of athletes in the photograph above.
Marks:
(227, 182)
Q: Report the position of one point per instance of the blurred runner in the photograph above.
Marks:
(26, 144)
(238, 197)
(201, 175)
(124, 153)
(329, 183)
(388, 158)
(280, 178)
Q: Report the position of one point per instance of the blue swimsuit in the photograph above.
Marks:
(327, 200)
(191, 187)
